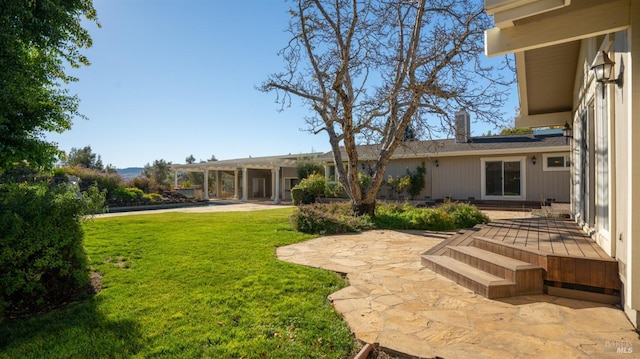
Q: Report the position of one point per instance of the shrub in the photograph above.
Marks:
(432, 219)
(339, 218)
(126, 194)
(465, 215)
(153, 197)
(105, 181)
(334, 189)
(309, 189)
(416, 181)
(365, 180)
(447, 217)
(412, 183)
(147, 185)
(307, 167)
(42, 258)
(328, 218)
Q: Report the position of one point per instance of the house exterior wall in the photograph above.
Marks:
(398, 168)
(607, 207)
(459, 178)
(605, 178)
(626, 232)
(544, 184)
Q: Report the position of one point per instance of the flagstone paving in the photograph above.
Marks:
(405, 308)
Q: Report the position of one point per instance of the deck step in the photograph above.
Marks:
(489, 262)
(529, 278)
(527, 255)
(481, 282)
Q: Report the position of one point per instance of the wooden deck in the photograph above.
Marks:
(569, 258)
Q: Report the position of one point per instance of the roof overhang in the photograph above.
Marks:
(545, 37)
(505, 12)
(270, 162)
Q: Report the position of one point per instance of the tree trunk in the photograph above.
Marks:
(360, 209)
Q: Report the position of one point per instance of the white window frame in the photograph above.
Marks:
(567, 157)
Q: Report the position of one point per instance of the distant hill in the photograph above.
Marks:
(129, 173)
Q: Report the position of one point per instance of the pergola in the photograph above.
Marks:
(241, 170)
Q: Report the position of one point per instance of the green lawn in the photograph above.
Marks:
(197, 285)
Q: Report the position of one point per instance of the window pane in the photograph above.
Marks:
(557, 161)
(493, 171)
(512, 178)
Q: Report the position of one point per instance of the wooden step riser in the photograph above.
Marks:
(528, 281)
(511, 252)
(482, 264)
(495, 291)
(491, 291)
(560, 268)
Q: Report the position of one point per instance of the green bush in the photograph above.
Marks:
(447, 217)
(465, 215)
(105, 181)
(328, 218)
(42, 258)
(307, 167)
(334, 189)
(147, 185)
(153, 197)
(339, 218)
(126, 194)
(309, 189)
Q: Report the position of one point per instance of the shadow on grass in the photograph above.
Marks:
(78, 330)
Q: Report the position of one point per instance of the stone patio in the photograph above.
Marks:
(407, 309)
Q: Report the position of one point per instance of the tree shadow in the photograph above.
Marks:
(77, 330)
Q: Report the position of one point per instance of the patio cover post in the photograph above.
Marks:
(235, 183)
(245, 184)
(218, 184)
(206, 184)
(276, 180)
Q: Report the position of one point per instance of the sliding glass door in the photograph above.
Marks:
(503, 178)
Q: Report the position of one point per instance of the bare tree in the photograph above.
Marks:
(369, 69)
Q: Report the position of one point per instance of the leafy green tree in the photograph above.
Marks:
(190, 159)
(160, 172)
(84, 157)
(307, 167)
(39, 41)
(516, 131)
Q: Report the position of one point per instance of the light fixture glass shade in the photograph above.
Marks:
(602, 67)
(566, 130)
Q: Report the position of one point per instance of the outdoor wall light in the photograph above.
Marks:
(602, 68)
(437, 163)
(533, 160)
(567, 132)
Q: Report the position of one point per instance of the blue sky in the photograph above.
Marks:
(171, 78)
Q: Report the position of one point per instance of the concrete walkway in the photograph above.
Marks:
(214, 206)
(395, 302)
